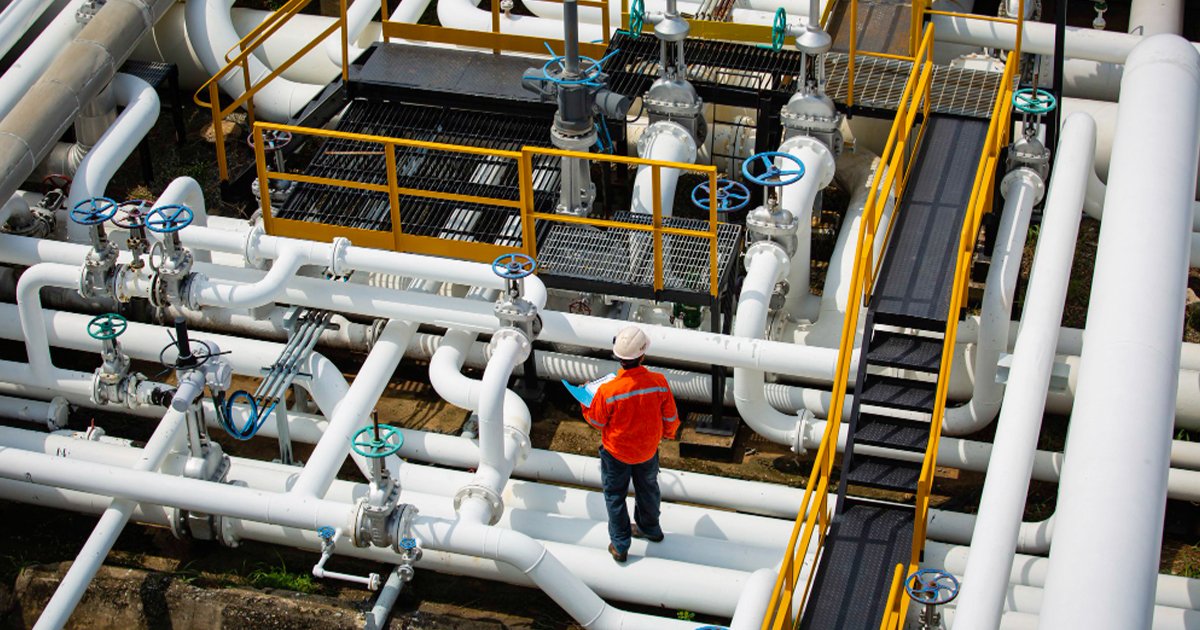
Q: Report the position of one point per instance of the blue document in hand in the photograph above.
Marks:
(584, 393)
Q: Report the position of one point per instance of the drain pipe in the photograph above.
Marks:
(1022, 189)
(118, 142)
(77, 75)
(71, 589)
(25, 71)
(1141, 268)
(981, 602)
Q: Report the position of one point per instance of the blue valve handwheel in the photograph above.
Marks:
(637, 17)
(1034, 101)
(731, 195)
(170, 218)
(931, 586)
(326, 532)
(773, 175)
(131, 214)
(93, 211)
(589, 71)
(107, 326)
(408, 543)
(365, 444)
(779, 29)
(513, 266)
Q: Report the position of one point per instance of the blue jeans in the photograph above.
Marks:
(616, 476)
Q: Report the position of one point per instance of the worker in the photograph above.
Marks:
(634, 412)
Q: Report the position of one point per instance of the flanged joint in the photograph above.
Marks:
(337, 257)
(476, 491)
(509, 332)
(1026, 175)
(770, 223)
(670, 128)
(250, 246)
(767, 248)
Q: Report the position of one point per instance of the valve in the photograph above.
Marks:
(96, 273)
(513, 309)
(274, 141)
(55, 188)
(731, 195)
(107, 328)
(189, 354)
(131, 215)
(1100, 7)
(772, 175)
(380, 441)
(93, 213)
(1034, 101)
(637, 17)
(779, 29)
(173, 260)
(1027, 150)
(329, 537)
(931, 588)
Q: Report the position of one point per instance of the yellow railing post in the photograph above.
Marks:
(393, 193)
(525, 174)
(384, 16)
(712, 231)
(214, 96)
(264, 178)
(853, 51)
(345, 37)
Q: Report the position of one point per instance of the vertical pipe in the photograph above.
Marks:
(571, 36)
(1113, 490)
(1060, 43)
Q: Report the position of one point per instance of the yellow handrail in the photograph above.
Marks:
(980, 203)
(813, 517)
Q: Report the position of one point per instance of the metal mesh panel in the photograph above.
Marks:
(879, 83)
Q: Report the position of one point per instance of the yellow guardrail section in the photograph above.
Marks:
(523, 161)
(815, 512)
(240, 63)
(981, 203)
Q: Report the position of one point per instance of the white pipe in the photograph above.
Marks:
(1081, 43)
(15, 205)
(87, 562)
(210, 32)
(800, 199)
(1141, 268)
(187, 192)
(140, 101)
(353, 412)
(29, 304)
(1022, 189)
(754, 600)
(752, 12)
(664, 141)
(24, 72)
(1154, 17)
(495, 465)
(981, 601)
(358, 19)
(16, 19)
(465, 14)
(765, 264)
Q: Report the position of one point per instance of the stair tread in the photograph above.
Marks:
(898, 393)
(894, 349)
(883, 473)
(889, 432)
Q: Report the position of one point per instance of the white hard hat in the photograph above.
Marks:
(630, 343)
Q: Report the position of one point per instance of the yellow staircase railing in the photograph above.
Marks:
(815, 514)
(979, 205)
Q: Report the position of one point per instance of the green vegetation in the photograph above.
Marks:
(280, 577)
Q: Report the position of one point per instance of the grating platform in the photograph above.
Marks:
(621, 261)
(879, 84)
(883, 26)
(724, 73)
(915, 278)
(422, 169)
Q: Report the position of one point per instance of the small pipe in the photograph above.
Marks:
(382, 609)
(571, 36)
(17, 18)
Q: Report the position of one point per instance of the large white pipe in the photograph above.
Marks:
(87, 562)
(465, 14)
(210, 32)
(981, 601)
(1022, 189)
(800, 199)
(664, 141)
(16, 18)
(1154, 17)
(353, 412)
(1141, 269)
(358, 21)
(140, 101)
(38, 56)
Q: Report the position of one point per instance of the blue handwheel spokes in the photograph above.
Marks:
(513, 266)
(107, 326)
(773, 175)
(931, 586)
(170, 218)
(1034, 101)
(637, 17)
(366, 444)
(93, 211)
(589, 71)
(326, 532)
(731, 195)
(779, 29)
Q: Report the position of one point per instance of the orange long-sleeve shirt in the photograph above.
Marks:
(633, 411)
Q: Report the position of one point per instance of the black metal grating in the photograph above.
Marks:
(722, 72)
(879, 84)
(427, 170)
(152, 72)
(622, 256)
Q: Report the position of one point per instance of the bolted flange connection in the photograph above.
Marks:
(476, 491)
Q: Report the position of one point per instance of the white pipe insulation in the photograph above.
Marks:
(97, 168)
(25, 71)
(981, 601)
(1022, 189)
(16, 19)
(466, 14)
(664, 141)
(210, 32)
(1141, 269)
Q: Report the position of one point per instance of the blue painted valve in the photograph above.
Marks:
(1033, 101)
(169, 219)
(326, 532)
(513, 266)
(779, 29)
(637, 17)
(931, 587)
(731, 195)
(93, 211)
(773, 175)
(376, 441)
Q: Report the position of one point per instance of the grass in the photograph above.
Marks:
(278, 576)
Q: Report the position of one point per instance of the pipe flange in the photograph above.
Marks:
(337, 257)
(770, 222)
(227, 532)
(57, 413)
(515, 334)
(522, 440)
(1025, 175)
(250, 246)
(767, 248)
(476, 491)
(806, 425)
(825, 155)
(678, 131)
